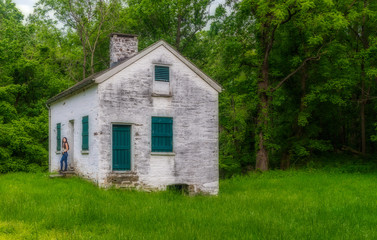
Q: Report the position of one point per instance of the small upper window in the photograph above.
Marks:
(161, 73)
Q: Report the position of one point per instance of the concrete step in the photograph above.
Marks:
(123, 178)
(68, 173)
(56, 175)
(63, 174)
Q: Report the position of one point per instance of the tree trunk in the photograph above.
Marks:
(92, 62)
(262, 153)
(84, 59)
(267, 40)
(285, 161)
(178, 33)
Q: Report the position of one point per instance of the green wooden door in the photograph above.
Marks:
(121, 147)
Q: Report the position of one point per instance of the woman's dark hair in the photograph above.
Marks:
(66, 140)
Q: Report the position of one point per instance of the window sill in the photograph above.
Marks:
(161, 64)
(130, 172)
(161, 95)
(163, 153)
(85, 152)
(58, 152)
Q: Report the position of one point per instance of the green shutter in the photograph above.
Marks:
(161, 73)
(162, 134)
(85, 133)
(121, 147)
(58, 137)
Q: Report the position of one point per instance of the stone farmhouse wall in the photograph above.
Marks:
(130, 97)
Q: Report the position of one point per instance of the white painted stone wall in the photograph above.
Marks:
(84, 103)
(127, 98)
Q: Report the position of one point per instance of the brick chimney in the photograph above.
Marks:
(122, 47)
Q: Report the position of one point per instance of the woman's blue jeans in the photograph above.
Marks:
(64, 159)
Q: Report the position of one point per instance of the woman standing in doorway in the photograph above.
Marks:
(64, 158)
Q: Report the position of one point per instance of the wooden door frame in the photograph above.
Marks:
(71, 128)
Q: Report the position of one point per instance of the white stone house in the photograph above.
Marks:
(149, 121)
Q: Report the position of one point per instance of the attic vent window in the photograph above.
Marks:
(161, 73)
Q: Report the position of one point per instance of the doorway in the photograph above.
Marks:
(71, 141)
(121, 147)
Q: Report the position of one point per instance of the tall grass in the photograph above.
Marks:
(273, 205)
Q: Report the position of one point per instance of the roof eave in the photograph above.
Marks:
(71, 90)
(194, 68)
(103, 77)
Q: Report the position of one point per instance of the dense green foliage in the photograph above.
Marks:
(306, 204)
(31, 70)
(299, 77)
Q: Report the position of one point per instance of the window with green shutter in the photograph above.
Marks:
(85, 133)
(58, 137)
(162, 134)
(161, 73)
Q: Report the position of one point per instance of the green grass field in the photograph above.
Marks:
(273, 205)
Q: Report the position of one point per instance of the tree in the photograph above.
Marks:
(90, 19)
(31, 72)
(266, 19)
(176, 21)
(363, 17)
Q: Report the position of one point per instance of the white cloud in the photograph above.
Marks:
(215, 4)
(25, 6)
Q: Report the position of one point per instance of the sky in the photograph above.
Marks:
(26, 6)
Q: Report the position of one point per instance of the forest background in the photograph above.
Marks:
(299, 76)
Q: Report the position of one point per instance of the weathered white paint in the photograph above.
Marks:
(161, 171)
(128, 97)
(160, 87)
(85, 103)
(111, 72)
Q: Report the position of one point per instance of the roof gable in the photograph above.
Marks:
(106, 74)
(121, 66)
